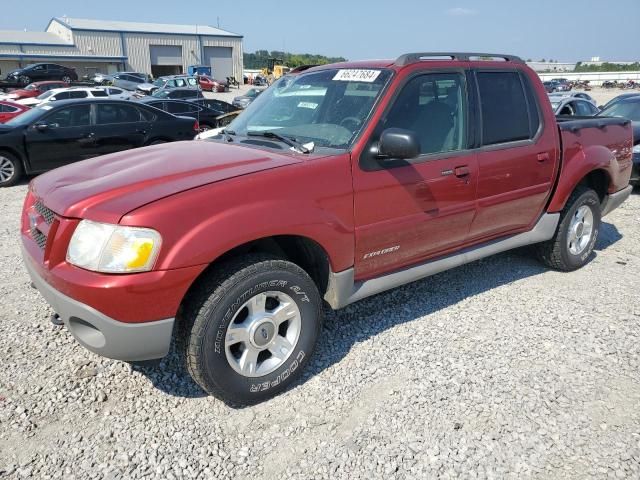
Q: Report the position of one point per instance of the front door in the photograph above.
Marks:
(408, 211)
(65, 138)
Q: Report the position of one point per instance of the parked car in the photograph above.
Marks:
(243, 101)
(617, 99)
(333, 185)
(100, 78)
(574, 94)
(9, 110)
(63, 132)
(209, 84)
(206, 117)
(76, 93)
(562, 84)
(573, 106)
(33, 90)
(42, 71)
(550, 87)
(170, 81)
(128, 80)
(214, 104)
(629, 108)
(178, 93)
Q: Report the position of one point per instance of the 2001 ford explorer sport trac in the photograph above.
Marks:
(335, 184)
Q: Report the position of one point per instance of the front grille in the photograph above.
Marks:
(47, 214)
(39, 238)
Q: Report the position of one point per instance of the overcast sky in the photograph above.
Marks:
(565, 30)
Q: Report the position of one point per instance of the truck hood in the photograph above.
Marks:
(106, 188)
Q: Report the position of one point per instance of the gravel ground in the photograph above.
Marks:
(498, 369)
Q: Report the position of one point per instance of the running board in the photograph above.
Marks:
(343, 290)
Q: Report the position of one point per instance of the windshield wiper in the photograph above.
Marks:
(228, 134)
(289, 141)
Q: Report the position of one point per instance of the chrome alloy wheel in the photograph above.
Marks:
(580, 230)
(7, 169)
(262, 334)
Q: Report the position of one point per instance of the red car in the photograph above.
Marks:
(209, 84)
(34, 89)
(9, 110)
(346, 180)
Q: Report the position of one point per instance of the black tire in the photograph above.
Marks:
(66, 79)
(210, 308)
(11, 169)
(24, 80)
(555, 253)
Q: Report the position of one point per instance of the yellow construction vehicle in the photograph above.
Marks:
(275, 68)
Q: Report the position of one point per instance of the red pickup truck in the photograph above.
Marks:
(337, 183)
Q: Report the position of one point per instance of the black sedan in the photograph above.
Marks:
(214, 104)
(206, 117)
(178, 93)
(42, 71)
(629, 107)
(55, 134)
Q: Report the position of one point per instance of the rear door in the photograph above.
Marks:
(119, 126)
(66, 139)
(518, 154)
(408, 211)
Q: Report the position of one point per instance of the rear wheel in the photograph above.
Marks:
(66, 79)
(577, 232)
(10, 169)
(250, 328)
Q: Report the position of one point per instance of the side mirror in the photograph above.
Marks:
(398, 144)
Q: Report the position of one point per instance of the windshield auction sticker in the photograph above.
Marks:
(357, 75)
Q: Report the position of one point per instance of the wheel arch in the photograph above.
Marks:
(301, 250)
(18, 155)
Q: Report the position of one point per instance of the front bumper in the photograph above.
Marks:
(614, 200)
(101, 334)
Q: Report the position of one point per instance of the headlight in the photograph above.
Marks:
(636, 148)
(106, 248)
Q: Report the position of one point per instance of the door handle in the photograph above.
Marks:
(542, 157)
(143, 132)
(462, 171)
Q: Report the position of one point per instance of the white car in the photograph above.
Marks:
(76, 92)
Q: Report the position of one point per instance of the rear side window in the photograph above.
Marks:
(505, 112)
(116, 113)
(99, 93)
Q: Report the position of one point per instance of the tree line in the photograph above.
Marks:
(608, 67)
(259, 59)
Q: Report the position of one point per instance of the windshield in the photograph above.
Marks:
(29, 116)
(327, 107)
(31, 87)
(159, 83)
(161, 93)
(630, 110)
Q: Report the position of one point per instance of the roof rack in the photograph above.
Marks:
(409, 58)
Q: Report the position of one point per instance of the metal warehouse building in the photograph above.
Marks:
(106, 46)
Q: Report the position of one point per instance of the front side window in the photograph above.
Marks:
(505, 109)
(75, 116)
(115, 113)
(99, 93)
(327, 107)
(433, 106)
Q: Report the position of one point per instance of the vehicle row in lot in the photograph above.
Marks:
(66, 131)
(33, 90)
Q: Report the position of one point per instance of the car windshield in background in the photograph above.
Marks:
(29, 116)
(327, 108)
(630, 110)
(44, 95)
(31, 87)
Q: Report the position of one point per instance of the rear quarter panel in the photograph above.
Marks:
(591, 148)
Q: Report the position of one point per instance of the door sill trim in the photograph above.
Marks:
(343, 290)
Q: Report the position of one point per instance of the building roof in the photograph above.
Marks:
(19, 37)
(140, 27)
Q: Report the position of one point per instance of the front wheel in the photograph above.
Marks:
(577, 232)
(10, 169)
(250, 328)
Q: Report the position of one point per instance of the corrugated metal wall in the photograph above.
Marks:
(235, 44)
(106, 44)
